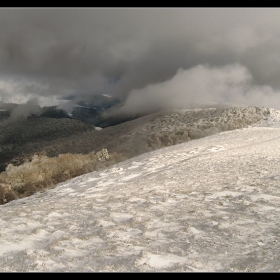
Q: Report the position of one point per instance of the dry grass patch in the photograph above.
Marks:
(43, 172)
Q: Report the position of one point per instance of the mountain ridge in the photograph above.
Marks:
(23, 138)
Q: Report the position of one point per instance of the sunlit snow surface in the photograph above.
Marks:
(211, 204)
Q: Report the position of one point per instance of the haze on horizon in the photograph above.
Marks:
(147, 57)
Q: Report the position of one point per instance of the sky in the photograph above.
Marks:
(207, 205)
(147, 57)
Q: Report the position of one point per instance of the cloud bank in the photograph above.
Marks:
(203, 86)
(131, 53)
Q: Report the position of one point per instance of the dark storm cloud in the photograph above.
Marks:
(52, 53)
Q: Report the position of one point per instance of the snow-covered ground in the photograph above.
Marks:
(210, 204)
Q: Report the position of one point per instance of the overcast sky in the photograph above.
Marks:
(166, 56)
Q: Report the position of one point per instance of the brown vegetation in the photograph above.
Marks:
(43, 172)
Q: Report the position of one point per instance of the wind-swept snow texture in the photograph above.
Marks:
(207, 205)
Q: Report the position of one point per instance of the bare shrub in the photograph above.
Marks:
(103, 155)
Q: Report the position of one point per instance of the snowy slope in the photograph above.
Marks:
(210, 204)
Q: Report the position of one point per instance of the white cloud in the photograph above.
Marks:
(204, 85)
(80, 50)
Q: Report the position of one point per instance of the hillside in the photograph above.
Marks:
(23, 138)
(208, 205)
